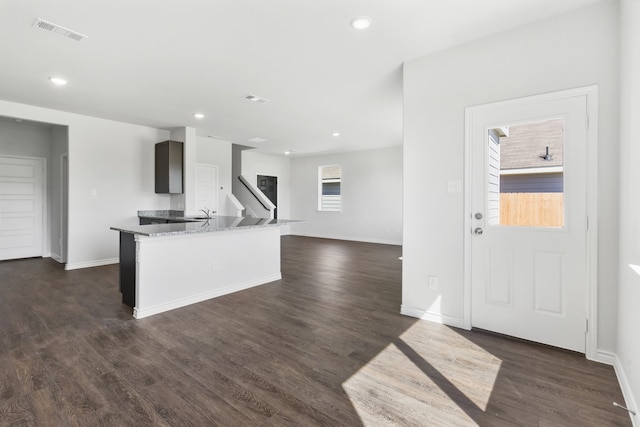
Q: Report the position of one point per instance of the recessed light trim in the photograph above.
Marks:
(257, 140)
(58, 81)
(198, 115)
(361, 22)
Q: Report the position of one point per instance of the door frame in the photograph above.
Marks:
(591, 274)
(64, 205)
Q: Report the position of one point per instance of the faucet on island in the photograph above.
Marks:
(207, 212)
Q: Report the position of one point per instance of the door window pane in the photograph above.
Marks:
(526, 174)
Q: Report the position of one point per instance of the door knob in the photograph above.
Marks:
(478, 231)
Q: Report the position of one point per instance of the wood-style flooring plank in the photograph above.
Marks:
(323, 346)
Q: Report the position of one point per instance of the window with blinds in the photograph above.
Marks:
(329, 188)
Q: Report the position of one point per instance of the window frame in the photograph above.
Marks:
(321, 207)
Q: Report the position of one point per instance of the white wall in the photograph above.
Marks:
(24, 139)
(628, 366)
(117, 160)
(215, 152)
(254, 164)
(572, 50)
(371, 196)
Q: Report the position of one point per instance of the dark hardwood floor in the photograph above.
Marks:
(323, 346)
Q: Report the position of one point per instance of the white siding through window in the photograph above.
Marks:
(493, 198)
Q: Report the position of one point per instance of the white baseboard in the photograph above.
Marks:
(160, 308)
(352, 238)
(606, 357)
(433, 317)
(87, 264)
(630, 401)
(411, 311)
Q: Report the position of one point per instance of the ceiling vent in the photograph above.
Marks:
(255, 98)
(62, 31)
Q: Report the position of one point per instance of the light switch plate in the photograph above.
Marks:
(433, 282)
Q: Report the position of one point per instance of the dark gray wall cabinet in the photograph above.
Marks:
(169, 174)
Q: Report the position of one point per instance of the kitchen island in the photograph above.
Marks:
(170, 265)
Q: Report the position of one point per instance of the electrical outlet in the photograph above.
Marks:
(433, 282)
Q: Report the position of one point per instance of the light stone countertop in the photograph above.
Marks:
(216, 223)
(162, 214)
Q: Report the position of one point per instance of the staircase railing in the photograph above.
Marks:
(254, 200)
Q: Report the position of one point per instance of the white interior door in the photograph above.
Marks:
(529, 281)
(207, 187)
(21, 207)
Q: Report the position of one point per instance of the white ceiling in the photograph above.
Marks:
(156, 62)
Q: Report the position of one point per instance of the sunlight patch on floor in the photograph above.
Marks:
(424, 374)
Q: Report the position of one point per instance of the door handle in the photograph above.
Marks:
(478, 231)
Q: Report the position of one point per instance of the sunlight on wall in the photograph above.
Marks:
(635, 268)
(424, 371)
(435, 307)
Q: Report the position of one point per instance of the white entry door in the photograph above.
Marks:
(21, 207)
(528, 276)
(207, 187)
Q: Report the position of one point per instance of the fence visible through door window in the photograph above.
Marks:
(526, 174)
(329, 188)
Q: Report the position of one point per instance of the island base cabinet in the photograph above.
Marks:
(162, 273)
(128, 269)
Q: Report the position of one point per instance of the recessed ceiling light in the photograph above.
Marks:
(257, 140)
(287, 152)
(361, 22)
(335, 134)
(59, 81)
(198, 116)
